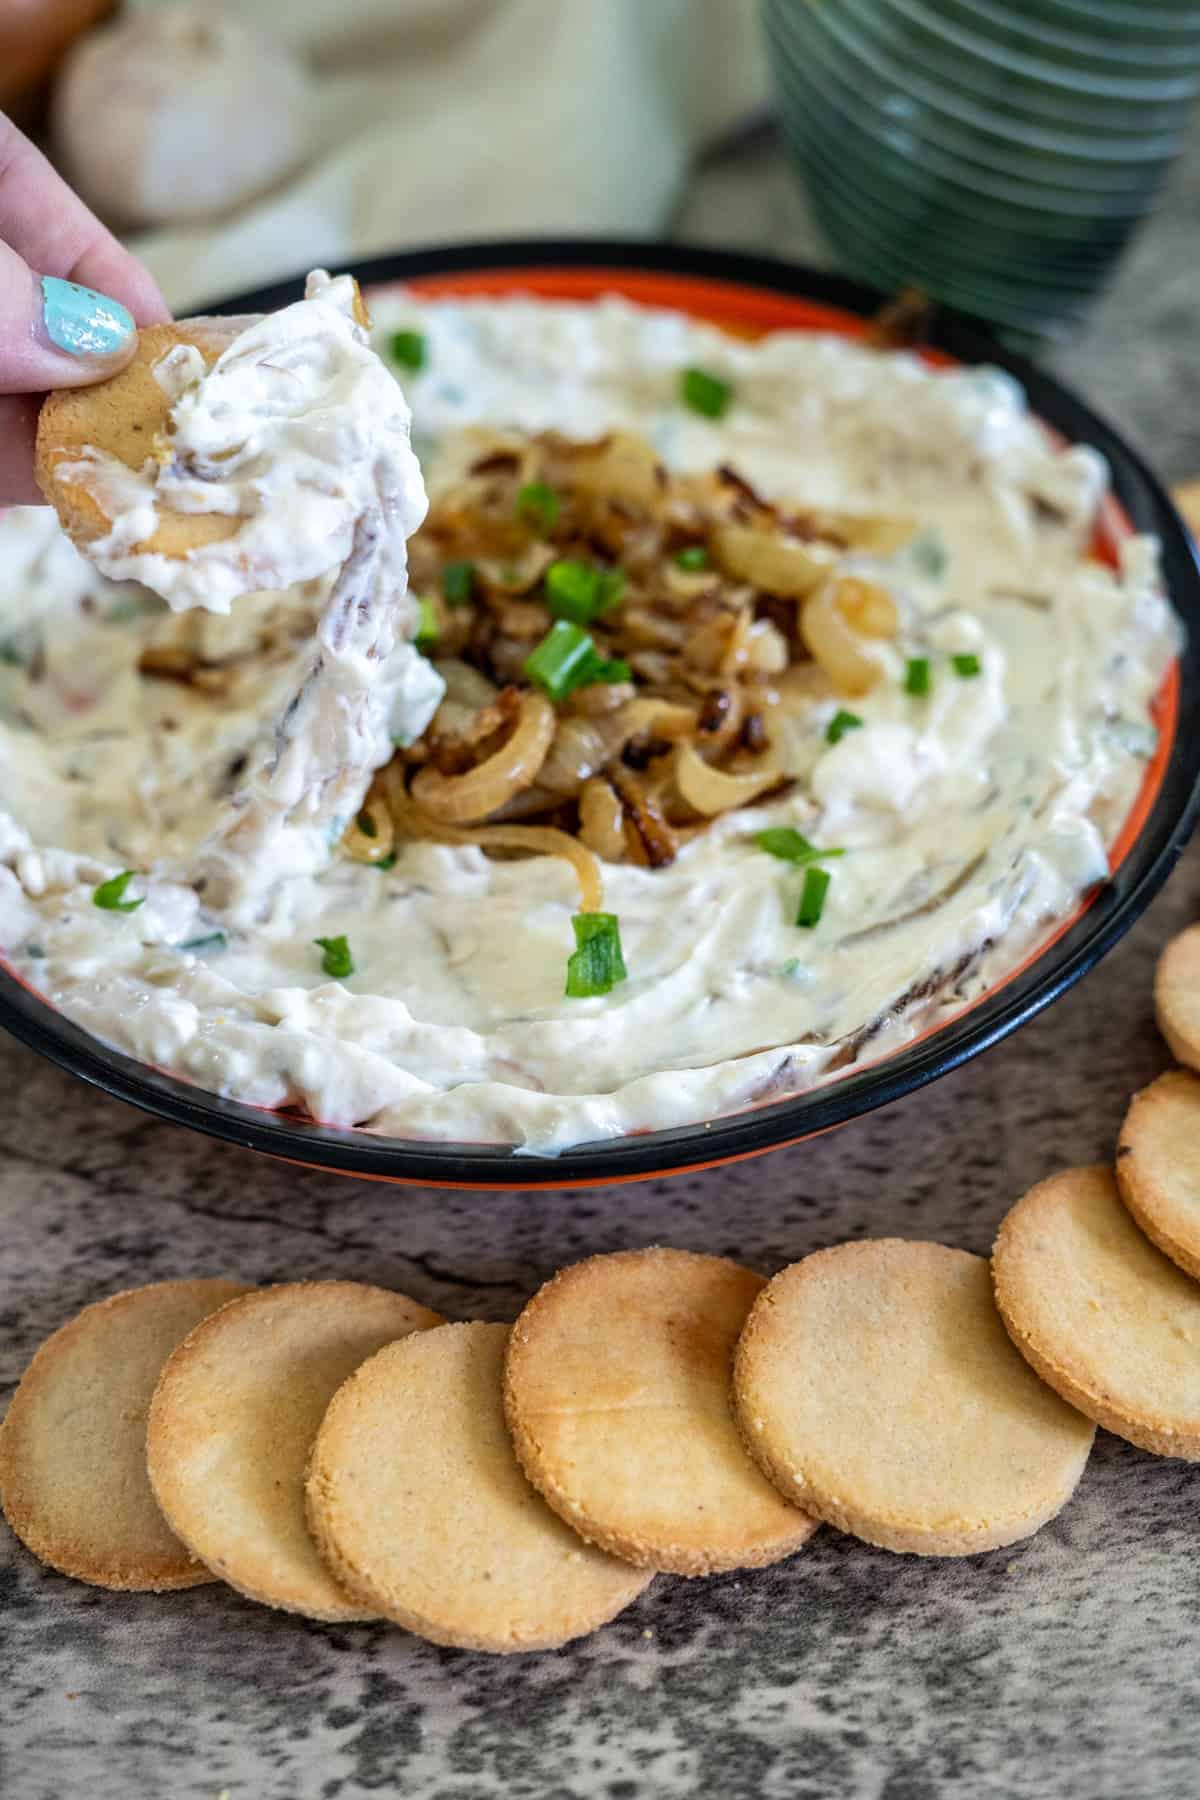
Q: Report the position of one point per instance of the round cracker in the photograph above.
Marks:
(1158, 1165)
(616, 1392)
(875, 1385)
(126, 417)
(420, 1507)
(73, 1445)
(233, 1419)
(1103, 1316)
(1177, 996)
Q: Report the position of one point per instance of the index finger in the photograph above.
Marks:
(55, 232)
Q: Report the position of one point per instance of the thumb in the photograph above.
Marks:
(55, 333)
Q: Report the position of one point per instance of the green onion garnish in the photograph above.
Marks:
(122, 612)
(215, 940)
(366, 824)
(567, 659)
(427, 625)
(458, 583)
(577, 592)
(10, 655)
(928, 552)
(693, 558)
(812, 898)
(108, 894)
(408, 349)
(609, 588)
(790, 846)
(337, 960)
(386, 862)
(705, 393)
(597, 964)
(538, 505)
(916, 675)
(966, 665)
(840, 724)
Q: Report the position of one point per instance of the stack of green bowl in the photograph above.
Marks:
(995, 153)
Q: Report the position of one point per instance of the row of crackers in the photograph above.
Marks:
(336, 1450)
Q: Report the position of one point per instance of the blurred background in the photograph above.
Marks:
(1035, 163)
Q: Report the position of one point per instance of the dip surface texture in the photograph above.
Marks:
(970, 816)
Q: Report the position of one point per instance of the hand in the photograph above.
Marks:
(70, 298)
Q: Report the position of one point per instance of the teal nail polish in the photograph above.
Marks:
(82, 322)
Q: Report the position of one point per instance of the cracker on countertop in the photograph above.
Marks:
(233, 1419)
(616, 1393)
(73, 1443)
(419, 1506)
(1102, 1315)
(875, 1385)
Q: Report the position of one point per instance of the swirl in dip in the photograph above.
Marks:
(964, 802)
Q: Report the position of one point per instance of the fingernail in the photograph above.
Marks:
(81, 322)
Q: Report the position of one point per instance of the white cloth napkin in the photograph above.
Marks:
(445, 120)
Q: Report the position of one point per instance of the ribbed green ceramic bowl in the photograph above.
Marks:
(997, 155)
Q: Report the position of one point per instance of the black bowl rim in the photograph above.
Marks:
(766, 1126)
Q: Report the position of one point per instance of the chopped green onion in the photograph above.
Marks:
(122, 611)
(705, 393)
(386, 862)
(337, 960)
(558, 664)
(538, 505)
(408, 349)
(577, 592)
(427, 625)
(571, 591)
(928, 553)
(215, 940)
(812, 898)
(916, 675)
(840, 724)
(966, 665)
(10, 654)
(790, 846)
(612, 670)
(567, 659)
(597, 964)
(366, 824)
(693, 558)
(609, 589)
(458, 583)
(108, 894)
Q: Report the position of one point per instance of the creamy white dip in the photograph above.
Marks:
(970, 819)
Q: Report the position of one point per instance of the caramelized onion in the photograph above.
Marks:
(711, 791)
(601, 820)
(834, 622)
(620, 466)
(767, 559)
(457, 799)
(581, 748)
(543, 840)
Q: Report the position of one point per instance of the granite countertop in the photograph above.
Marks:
(1064, 1665)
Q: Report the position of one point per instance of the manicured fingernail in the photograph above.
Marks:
(82, 322)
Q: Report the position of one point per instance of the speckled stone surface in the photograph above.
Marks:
(1066, 1666)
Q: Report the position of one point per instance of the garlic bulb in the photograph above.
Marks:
(178, 114)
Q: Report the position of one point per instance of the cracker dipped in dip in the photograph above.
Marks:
(740, 710)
